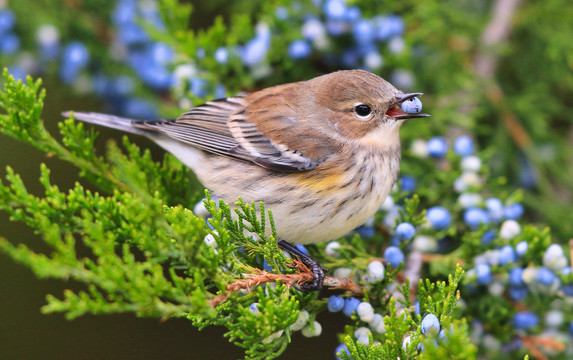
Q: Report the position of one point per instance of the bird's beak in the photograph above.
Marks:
(396, 113)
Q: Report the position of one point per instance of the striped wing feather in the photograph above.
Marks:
(222, 127)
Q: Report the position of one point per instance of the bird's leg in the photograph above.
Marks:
(317, 270)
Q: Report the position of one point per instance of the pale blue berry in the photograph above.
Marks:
(221, 55)
(507, 255)
(412, 106)
(365, 312)
(464, 146)
(335, 303)
(439, 217)
(494, 208)
(430, 324)
(405, 231)
(437, 147)
(375, 271)
(475, 216)
(483, 273)
(254, 307)
(521, 248)
(393, 255)
(335, 9)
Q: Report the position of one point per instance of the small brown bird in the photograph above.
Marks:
(321, 154)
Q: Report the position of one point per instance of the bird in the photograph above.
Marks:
(321, 154)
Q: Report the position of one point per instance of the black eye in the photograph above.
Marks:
(362, 110)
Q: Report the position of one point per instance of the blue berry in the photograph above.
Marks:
(507, 255)
(571, 327)
(75, 57)
(516, 276)
(302, 249)
(488, 237)
(17, 72)
(525, 320)
(9, 44)
(408, 183)
(255, 51)
(518, 293)
(483, 273)
(475, 216)
(394, 256)
(412, 106)
(439, 217)
(124, 12)
(567, 289)
(198, 87)
(353, 13)
(366, 231)
(513, 211)
(363, 32)
(389, 26)
(7, 21)
(220, 91)
(299, 49)
(430, 324)
(417, 307)
(464, 146)
(335, 303)
(131, 34)
(437, 147)
(161, 53)
(266, 266)
(140, 109)
(350, 306)
(545, 276)
(405, 231)
(341, 349)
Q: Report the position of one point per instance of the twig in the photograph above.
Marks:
(305, 275)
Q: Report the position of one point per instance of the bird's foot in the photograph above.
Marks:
(318, 271)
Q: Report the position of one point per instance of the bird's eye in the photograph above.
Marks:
(362, 110)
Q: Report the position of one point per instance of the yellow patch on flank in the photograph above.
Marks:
(324, 181)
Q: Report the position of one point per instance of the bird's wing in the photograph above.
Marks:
(244, 127)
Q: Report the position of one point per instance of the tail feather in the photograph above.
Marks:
(110, 121)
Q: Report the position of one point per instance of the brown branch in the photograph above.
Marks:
(304, 276)
(495, 33)
(486, 60)
(533, 343)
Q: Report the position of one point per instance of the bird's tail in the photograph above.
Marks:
(110, 121)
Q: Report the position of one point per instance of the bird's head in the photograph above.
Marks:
(358, 106)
